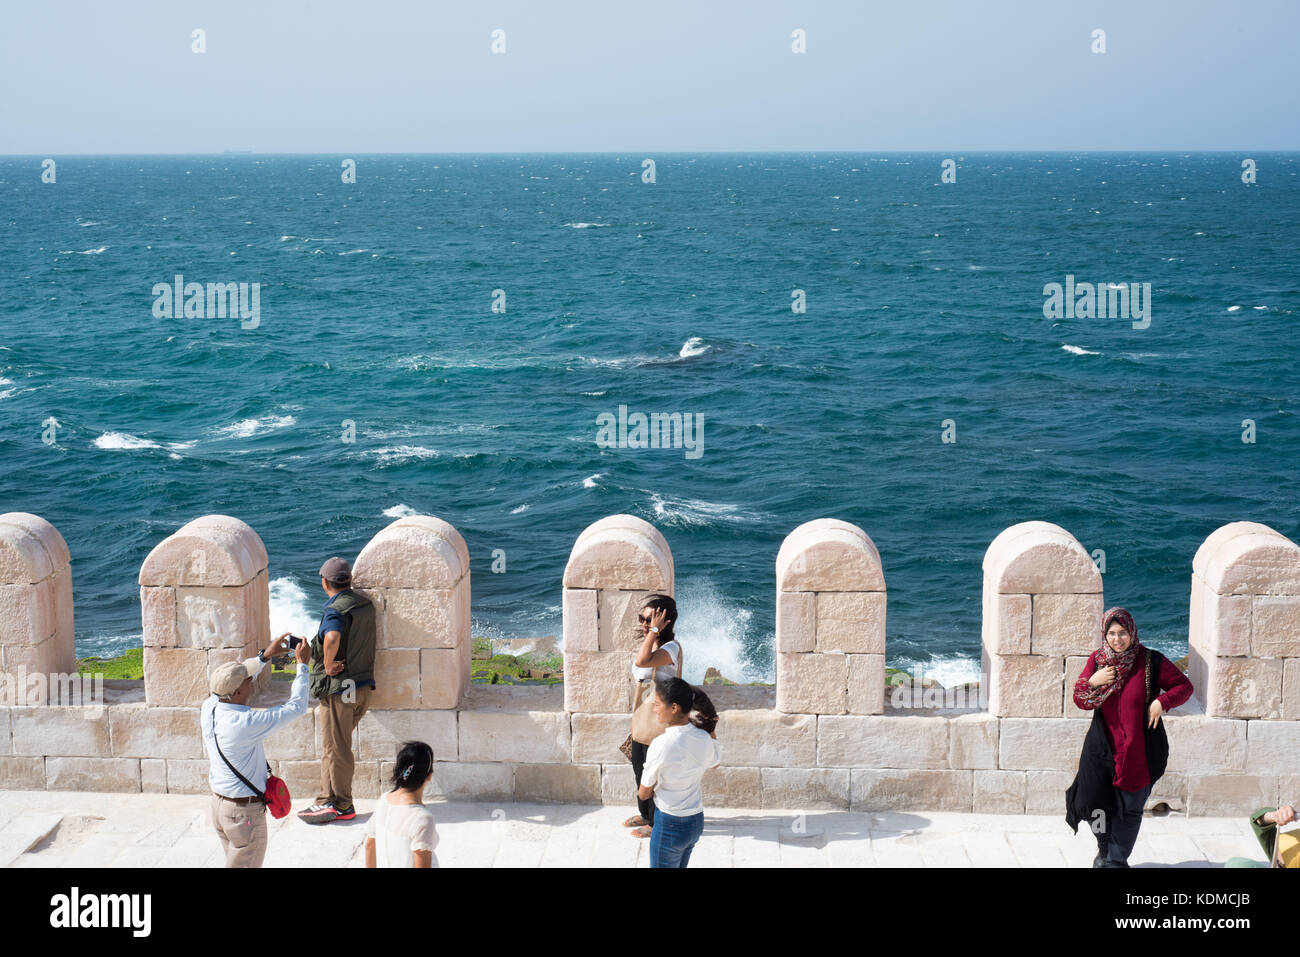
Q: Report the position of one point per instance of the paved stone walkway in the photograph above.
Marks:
(57, 829)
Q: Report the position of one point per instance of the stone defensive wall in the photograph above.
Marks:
(826, 737)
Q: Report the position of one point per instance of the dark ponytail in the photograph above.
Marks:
(670, 612)
(414, 762)
(690, 701)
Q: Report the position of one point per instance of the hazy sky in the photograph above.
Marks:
(332, 76)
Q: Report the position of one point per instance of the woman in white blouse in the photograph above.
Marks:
(658, 658)
(401, 832)
(675, 767)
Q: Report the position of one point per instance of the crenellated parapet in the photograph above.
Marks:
(825, 737)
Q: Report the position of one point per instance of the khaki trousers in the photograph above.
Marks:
(338, 719)
(242, 830)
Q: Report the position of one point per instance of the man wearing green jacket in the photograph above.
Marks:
(1282, 849)
(342, 678)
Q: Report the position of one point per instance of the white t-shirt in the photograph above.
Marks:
(663, 672)
(399, 830)
(675, 765)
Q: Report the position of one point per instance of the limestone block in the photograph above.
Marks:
(139, 731)
(884, 741)
(175, 676)
(1170, 790)
(6, 737)
(371, 779)
(866, 684)
(67, 731)
(617, 627)
(153, 775)
(28, 613)
(827, 555)
(1250, 561)
(597, 682)
(212, 550)
(1221, 795)
(1028, 686)
(1244, 688)
(768, 739)
(92, 774)
(1073, 668)
(618, 786)
(424, 617)
(444, 676)
(973, 741)
(418, 551)
(1275, 626)
(1222, 624)
(1040, 744)
(911, 790)
(158, 616)
(558, 783)
(295, 741)
(1008, 622)
(1205, 745)
(22, 773)
(619, 558)
(1066, 624)
(1291, 689)
(596, 738)
(381, 733)
(638, 530)
(796, 621)
(805, 789)
(213, 617)
(1039, 558)
(851, 622)
(1272, 747)
(303, 777)
(580, 626)
(1045, 792)
(186, 776)
(397, 679)
(812, 683)
(473, 782)
(25, 558)
(21, 661)
(731, 787)
(541, 737)
(999, 792)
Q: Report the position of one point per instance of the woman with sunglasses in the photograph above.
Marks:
(658, 659)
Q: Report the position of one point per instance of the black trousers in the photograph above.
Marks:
(646, 808)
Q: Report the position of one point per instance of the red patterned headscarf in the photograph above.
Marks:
(1123, 663)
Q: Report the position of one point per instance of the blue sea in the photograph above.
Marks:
(924, 303)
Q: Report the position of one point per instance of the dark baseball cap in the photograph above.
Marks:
(336, 571)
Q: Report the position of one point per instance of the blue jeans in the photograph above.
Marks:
(673, 839)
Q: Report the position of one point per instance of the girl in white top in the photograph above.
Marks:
(659, 658)
(401, 832)
(675, 767)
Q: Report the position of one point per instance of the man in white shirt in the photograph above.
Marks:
(239, 813)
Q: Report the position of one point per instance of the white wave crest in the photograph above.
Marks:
(399, 511)
(1078, 351)
(713, 633)
(590, 480)
(684, 512)
(401, 453)
(694, 346)
(584, 225)
(247, 428)
(289, 609)
(1234, 308)
(122, 441)
(521, 508)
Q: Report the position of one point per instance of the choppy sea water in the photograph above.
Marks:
(924, 304)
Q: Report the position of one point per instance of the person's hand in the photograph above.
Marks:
(277, 647)
(1102, 676)
(303, 652)
(335, 669)
(658, 619)
(1154, 713)
(1283, 815)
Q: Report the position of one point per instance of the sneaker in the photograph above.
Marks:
(320, 814)
(346, 814)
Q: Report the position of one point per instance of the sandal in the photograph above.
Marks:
(636, 821)
(641, 832)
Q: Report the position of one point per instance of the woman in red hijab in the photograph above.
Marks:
(1128, 687)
